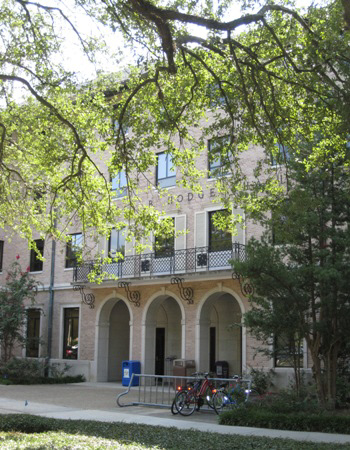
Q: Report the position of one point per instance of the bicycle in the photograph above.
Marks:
(225, 399)
(193, 397)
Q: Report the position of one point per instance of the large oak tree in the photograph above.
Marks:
(274, 74)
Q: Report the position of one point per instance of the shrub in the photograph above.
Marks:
(299, 421)
(261, 380)
(288, 401)
(31, 371)
(22, 368)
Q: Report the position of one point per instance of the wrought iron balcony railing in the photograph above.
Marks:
(190, 260)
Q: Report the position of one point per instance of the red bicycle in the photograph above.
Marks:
(194, 396)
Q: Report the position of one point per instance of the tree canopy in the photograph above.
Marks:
(273, 77)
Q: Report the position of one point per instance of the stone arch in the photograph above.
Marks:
(219, 332)
(113, 337)
(163, 324)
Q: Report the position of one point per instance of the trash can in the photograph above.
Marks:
(128, 369)
(183, 368)
(221, 369)
(169, 365)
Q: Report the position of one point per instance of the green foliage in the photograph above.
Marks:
(54, 433)
(22, 368)
(291, 420)
(300, 285)
(18, 290)
(343, 377)
(32, 371)
(261, 380)
(278, 80)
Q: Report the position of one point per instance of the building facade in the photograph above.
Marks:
(179, 299)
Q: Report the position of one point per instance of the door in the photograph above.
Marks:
(160, 351)
(212, 349)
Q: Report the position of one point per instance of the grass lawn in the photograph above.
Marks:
(31, 432)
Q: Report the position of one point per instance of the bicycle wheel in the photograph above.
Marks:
(185, 403)
(209, 397)
(223, 402)
(173, 408)
(254, 396)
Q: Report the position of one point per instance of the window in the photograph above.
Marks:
(216, 96)
(219, 156)
(74, 249)
(38, 201)
(288, 351)
(219, 240)
(116, 243)
(282, 155)
(1, 254)
(119, 184)
(164, 245)
(70, 333)
(123, 129)
(36, 265)
(166, 175)
(282, 224)
(33, 333)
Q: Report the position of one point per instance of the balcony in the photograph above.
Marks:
(150, 265)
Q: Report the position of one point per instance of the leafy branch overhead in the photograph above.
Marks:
(275, 75)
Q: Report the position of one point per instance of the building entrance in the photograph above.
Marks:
(160, 351)
(220, 333)
(163, 334)
(113, 340)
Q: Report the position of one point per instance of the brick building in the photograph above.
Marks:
(178, 299)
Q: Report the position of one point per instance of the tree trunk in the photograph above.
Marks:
(317, 371)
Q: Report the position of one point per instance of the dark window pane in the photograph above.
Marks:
(288, 351)
(219, 240)
(164, 245)
(71, 333)
(33, 333)
(74, 249)
(219, 156)
(36, 265)
(282, 155)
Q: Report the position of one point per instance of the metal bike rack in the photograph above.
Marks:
(159, 390)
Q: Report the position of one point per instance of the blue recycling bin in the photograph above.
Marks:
(128, 368)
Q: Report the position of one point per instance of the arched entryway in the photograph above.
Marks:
(220, 333)
(163, 334)
(113, 339)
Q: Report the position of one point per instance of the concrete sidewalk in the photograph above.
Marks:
(96, 401)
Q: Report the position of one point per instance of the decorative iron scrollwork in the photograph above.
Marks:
(88, 299)
(186, 293)
(133, 296)
(246, 287)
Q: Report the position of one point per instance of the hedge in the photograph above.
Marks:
(325, 422)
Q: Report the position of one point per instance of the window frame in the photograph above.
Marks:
(216, 171)
(168, 180)
(121, 189)
(66, 354)
(211, 228)
(35, 264)
(282, 157)
(33, 339)
(167, 249)
(289, 358)
(71, 258)
(120, 237)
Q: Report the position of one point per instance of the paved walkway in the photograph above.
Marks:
(97, 401)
